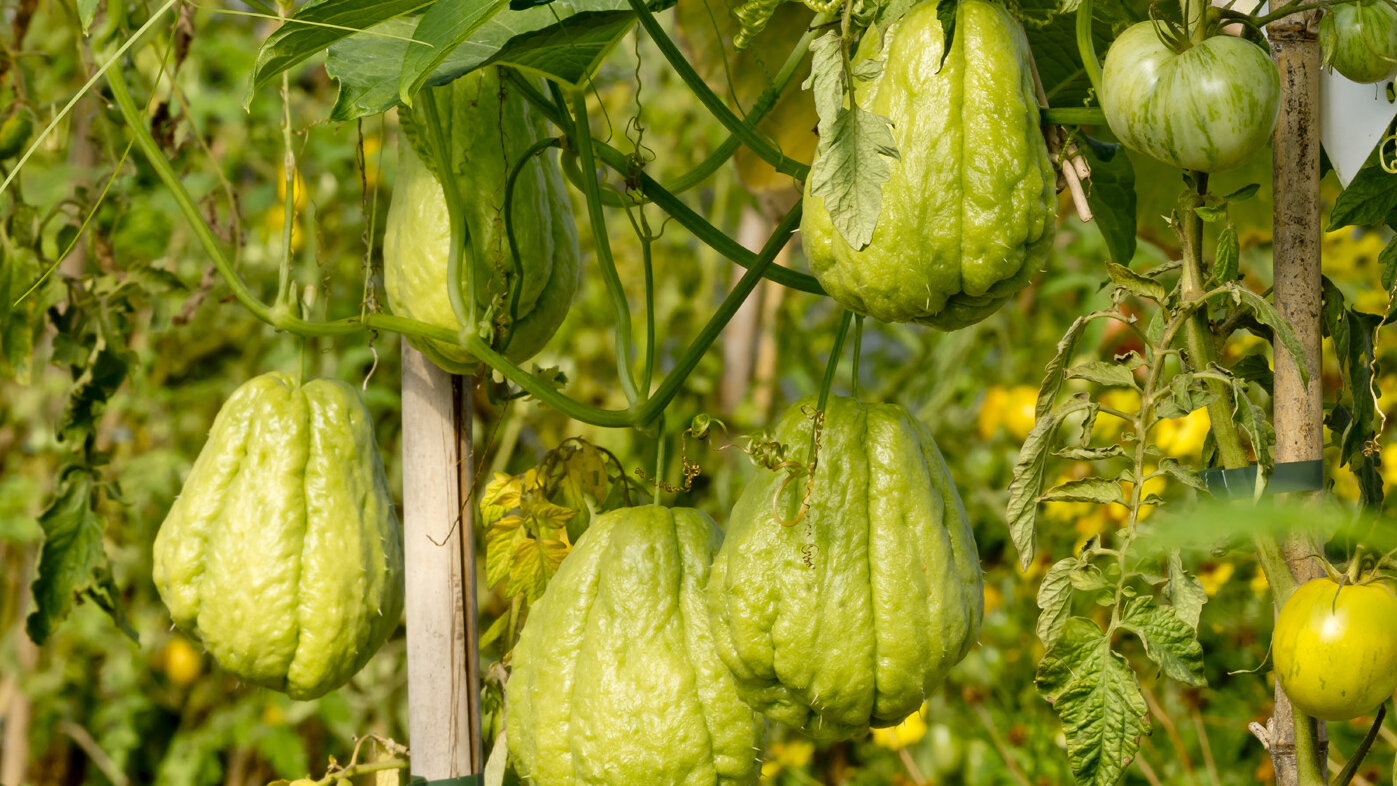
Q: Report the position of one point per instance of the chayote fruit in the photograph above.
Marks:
(615, 678)
(488, 135)
(967, 217)
(848, 617)
(282, 553)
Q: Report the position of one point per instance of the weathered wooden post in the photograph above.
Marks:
(1298, 408)
(439, 552)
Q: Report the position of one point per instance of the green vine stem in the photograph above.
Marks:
(582, 142)
(284, 319)
(858, 354)
(1087, 47)
(668, 202)
(715, 105)
(459, 277)
(517, 264)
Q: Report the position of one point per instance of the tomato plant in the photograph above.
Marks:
(1207, 105)
(1359, 40)
(1335, 647)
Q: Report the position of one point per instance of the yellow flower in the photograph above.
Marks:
(903, 734)
(1013, 408)
(1214, 575)
(786, 756)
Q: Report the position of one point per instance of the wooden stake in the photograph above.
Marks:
(1299, 409)
(439, 550)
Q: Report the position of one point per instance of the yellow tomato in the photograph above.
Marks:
(181, 662)
(1335, 648)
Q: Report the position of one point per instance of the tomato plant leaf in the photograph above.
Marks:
(1185, 591)
(1253, 420)
(1097, 697)
(1177, 471)
(1090, 454)
(1027, 483)
(73, 562)
(1053, 373)
(1111, 197)
(1135, 283)
(1267, 315)
(826, 80)
(1054, 600)
(1229, 250)
(1369, 200)
(1255, 368)
(1388, 259)
(1095, 490)
(1169, 641)
(851, 166)
(1104, 373)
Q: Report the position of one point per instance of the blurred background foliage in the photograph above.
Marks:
(92, 706)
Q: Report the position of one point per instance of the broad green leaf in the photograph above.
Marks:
(1255, 368)
(1054, 599)
(1186, 593)
(1027, 483)
(1388, 260)
(496, 630)
(73, 562)
(1369, 200)
(851, 166)
(1211, 213)
(318, 24)
(87, 11)
(1104, 373)
(1267, 315)
(1096, 695)
(1169, 641)
(564, 40)
(446, 25)
(1135, 283)
(1059, 61)
(946, 16)
(1098, 491)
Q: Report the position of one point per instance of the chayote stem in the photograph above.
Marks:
(715, 105)
(582, 139)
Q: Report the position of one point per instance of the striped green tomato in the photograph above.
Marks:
(1209, 107)
(1360, 39)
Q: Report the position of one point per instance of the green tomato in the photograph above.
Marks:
(1335, 648)
(1209, 107)
(1359, 40)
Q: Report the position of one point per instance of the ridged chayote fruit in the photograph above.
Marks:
(282, 553)
(848, 617)
(615, 678)
(967, 217)
(489, 134)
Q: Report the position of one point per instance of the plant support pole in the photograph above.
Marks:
(443, 667)
(1299, 408)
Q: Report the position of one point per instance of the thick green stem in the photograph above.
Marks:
(1087, 48)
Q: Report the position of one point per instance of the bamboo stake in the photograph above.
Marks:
(439, 551)
(1299, 409)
